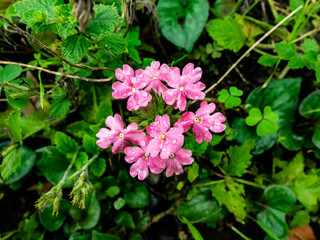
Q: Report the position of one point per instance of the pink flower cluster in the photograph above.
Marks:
(160, 147)
(137, 85)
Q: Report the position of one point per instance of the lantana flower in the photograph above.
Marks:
(165, 141)
(185, 85)
(118, 135)
(131, 86)
(202, 122)
(142, 161)
(175, 160)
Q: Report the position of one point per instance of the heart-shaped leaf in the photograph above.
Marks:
(254, 117)
(268, 114)
(235, 91)
(223, 95)
(9, 73)
(266, 127)
(182, 22)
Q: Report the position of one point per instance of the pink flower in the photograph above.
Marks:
(117, 135)
(153, 75)
(165, 141)
(202, 121)
(142, 161)
(131, 87)
(185, 85)
(174, 161)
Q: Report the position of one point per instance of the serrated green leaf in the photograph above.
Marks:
(267, 60)
(215, 157)
(239, 158)
(79, 128)
(231, 194)
(301, 218)
(98, 167)
(298, 61)
(310, 49)
(254, 117)
(286, 50)
(227, 33)
(196, 148)
(182, 22)
(64, 143)
(60, 104)
(317, 69)
(193, 172)
(290, 172)
(81, 160)
(89, 144)
(114, 43)
(105, 21)
(10, 163)
(30, 124)
(75, 47)
(125, 219)
(15, 126)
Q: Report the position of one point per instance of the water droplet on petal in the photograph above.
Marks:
(205, 128)
(145, 94)
(174, 141)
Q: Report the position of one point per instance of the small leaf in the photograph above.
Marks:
(138, 197)
(316, 135)
(9, 73)
(310, 106)
(193, 172)
(223, 95)
(301, 218)
(234, 91)
(311, 49)
(98, 167)
(254, 117)
(113, 191)
(196, 148)
(64, 143)
(79, 128)
(268, 114)
(233, 102)
(266, 127)
(75, 47)
(89, 144)
(81, 160)
(14, 125)
(267, 60)
(101, 236)
(286, 50)
(227, 33)
(10, 163)
(119, 203)
(125, 219)
(317, 69)
(298, 61)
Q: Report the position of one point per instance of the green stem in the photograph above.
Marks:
(84, 167)
(305, 35)
(252, 6)
(63, 180)
(298, 22)
(179, 60)
(273, 10)
(236, 6)
(240, 180)
(271, 76)
(208, 183)
(284, 72)
(240, 233)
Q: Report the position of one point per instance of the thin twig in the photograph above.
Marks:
(249, 50)
(28, 35)
(57, 73)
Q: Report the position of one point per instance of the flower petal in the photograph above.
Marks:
(115, 123)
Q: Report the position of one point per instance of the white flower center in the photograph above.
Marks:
(196, 119)
(147, 155)
(172, 156)
(182, 88)
(162, 136)
(133, 89)
(121, 135)
(154, 78)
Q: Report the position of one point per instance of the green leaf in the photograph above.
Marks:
(196, 148)
(301, 218)
(239, 158)
(10, 163)
(278, 200)
(290, 172)
(254, 117)
(64, 143)
(268, 114)
(91, 213)
(266, 127)
(316, 135)
(194, 231)
(234, 91)
(215, 157)
(310, 106)
(286, 50)
(75, 47)
(119, 203)
(306, 188)
(103, 236)
(202, 208)
(31, 124)
(138, 197)
(317, 69)
(311, 49)
(113, 191)
(267, 60)
(60, 104)
(231, 194)
(51, 222)
(81, 160)
(20, 102)
(105, 21)
(98, 167)
(193, 172)
(182, 22)
(274, 95)
(298, 61)
(227, 33)
(53, 164)
(115, 43)
(28, 159)
(84, 235)
(223, 95)
(233, 102)
(142, 220)
(79, 128)
(133, 42)
(9, 73)
(125, 219)
(14, 125)
(89, 144)
(222, 8)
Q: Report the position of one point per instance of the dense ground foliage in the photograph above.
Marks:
(67, 66)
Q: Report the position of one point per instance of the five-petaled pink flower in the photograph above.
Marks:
(117, 135)
(131, 86)
(202, 121)
(185, 85)
(165, 141)
(175, 160)
(142, 161)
